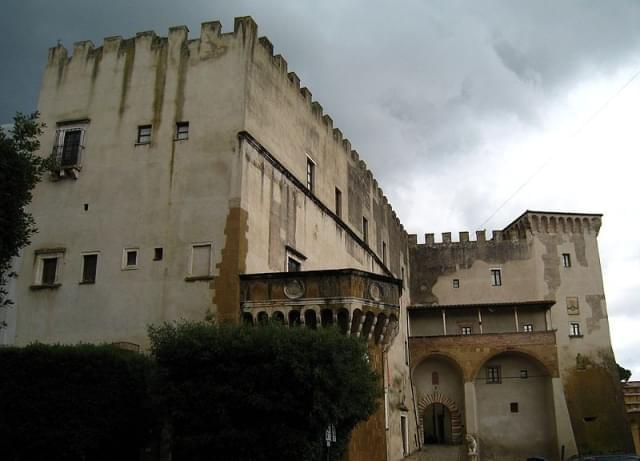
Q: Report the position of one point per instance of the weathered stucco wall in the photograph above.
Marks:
(529, 254)
(166, 193)
(508, 433)
(283, 129)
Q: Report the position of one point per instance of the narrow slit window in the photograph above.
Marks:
(365, 230)
(338, 203)
(496, 277)
(566, 259)
(311, 175)
(384, 253)
(158, 254)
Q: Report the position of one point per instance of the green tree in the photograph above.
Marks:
(623, 372)
(20, 170)
(263, 393)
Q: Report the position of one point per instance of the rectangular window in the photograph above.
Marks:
(574, 329)
(293, 265)
(527, 327)
(71, 148)
(404, 432)
(182, 130)
(384, 253)
(493, 375)
(456, 283)
(157, 254)
(514, 407)
(201, 260)
(338, 203)
(524, 374)
(69, 144)
(130, 258)
(89, 267)
(47, 268)
(465, 331)
(496, 277)
(311, 175)
(144, 134)
(566, 259)
(365, 230)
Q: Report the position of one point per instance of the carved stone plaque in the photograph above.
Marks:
(572, 305)
(294, 289)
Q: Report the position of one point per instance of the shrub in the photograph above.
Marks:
(243, 393)
(73, 403)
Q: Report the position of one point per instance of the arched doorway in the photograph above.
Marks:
(440, 387)
(437, 425)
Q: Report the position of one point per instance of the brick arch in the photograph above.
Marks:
(456, 417)
(548, 366)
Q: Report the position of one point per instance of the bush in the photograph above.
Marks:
(243, 393)
(73, 403)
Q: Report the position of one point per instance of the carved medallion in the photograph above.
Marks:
(294, 289)
(375, 291)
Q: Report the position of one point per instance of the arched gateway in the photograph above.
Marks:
(430, 406)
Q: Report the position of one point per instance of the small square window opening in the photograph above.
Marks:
(130, 258)
(465, 331)
(144, 134)
(157, 254)
(524, 374)
(456, 283)
(496, 277)
(89, 267)
(514, 407)
(182, 130)
(527, 327)
(566, 259)
(574, 329)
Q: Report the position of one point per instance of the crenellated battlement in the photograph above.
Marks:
(550, 222)
(211, 38)
(530, 222)
(149, 47)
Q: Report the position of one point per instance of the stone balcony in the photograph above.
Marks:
(359, 303)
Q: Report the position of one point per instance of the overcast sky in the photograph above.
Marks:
(453, 105)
